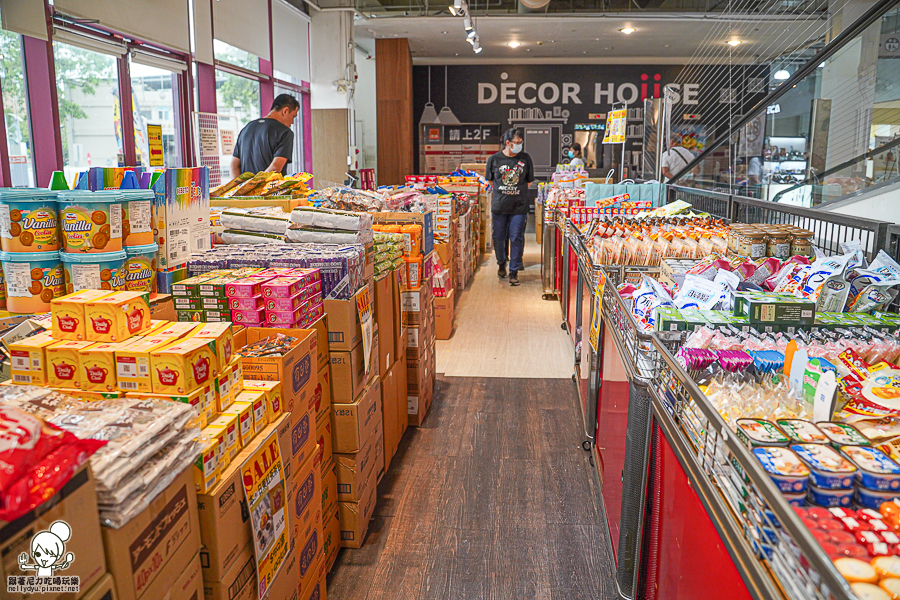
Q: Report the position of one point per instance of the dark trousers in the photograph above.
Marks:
(510, 230)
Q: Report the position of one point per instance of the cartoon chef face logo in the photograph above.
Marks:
(48, 551)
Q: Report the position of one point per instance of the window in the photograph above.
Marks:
(154, 104)
(235, 56)
(87, 84)
(297, 163)
(15, 107)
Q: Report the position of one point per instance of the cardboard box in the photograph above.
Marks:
(133, 371)
(63, 363)
(321, 329)
(151, 550)
(344, 329)
(353, 423)
(331, 546)
(224, 338)
(355, 516)
(426, 220)
(307, 494)
(389, 409)
(189, 585)
(444, 313)
(399, 316)
(402, 405)
(117, 317)
(418, 405)
(384, 317)
(379, 468)
(323, 395)
(104, 590)
(329, 489)
(295, 370)
(355, 469)
(68, 314)
(308, 546)
(238, 583)
(187, 365)
(315, 590)
(284, 586)
(324, 440)
(348, 373)
(29, 359)
(76, 504)
(224, 524)
(446, 252)
(418, 304)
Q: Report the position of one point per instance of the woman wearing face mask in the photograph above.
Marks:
(510, 171)
(574, 155)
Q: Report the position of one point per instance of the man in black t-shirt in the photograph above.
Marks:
(510, 171)
(267, 144)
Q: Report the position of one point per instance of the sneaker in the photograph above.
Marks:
(513, 278)
(501, 272)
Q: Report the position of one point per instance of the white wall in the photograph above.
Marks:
(364, 100)
(883, 207)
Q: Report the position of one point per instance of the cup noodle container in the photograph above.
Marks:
(28, 220)
(91, 222)
(137, 224)
(32, 280)
(140, 267)
(94, 271)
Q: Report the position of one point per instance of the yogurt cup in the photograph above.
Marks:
(91, 222)
(104, 271)
(827, 469)
(759, 432)
(875, 470)
(137, 224)
(28, 220)
(784, 468)
(32, 280)
(872, 498)
(827, 497)
(140, 268)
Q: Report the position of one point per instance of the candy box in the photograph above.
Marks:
(224, 340)
(293, 304)
(63, 363)
(312, 314)
(283, 287)
(229, 423)
(28, 359)
(68, 313)
(215, 288)
(236, 369)
(281, 318)
(252, 303)
(273, 395)
(190, 287)
(117, 317)
(204, 303)
(244, 288)
(259, 411)
(244, 413)
(184, 366)
(216, 316)
(251, 318)
(206, 466)
(133, 363)
(174, 331)
(98, 366)
(224, 392)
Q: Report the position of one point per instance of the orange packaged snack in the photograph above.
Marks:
(117, 317)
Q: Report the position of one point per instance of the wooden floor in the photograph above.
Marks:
(504, 331)
(492, 498)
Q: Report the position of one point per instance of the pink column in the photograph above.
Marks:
(43, 107)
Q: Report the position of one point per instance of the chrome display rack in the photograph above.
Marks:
(775, 553)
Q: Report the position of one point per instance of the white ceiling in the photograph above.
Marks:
(662, 39)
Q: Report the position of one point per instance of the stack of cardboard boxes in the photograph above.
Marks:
(418, 310)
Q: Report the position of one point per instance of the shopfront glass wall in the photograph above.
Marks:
(297, 158)
(87, 84)
(154, 104)
(15, 108)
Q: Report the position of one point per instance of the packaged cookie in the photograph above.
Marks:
(28, 220)
(140, 268)
(91, 222)
(94, 271)
(32, 280)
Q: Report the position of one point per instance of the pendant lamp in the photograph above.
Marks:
(446, 117)
(429, 115)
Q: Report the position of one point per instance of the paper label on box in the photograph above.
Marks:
(139, 219)
(266, 495)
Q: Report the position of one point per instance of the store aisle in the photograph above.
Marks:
(492, 498)
(504, 331)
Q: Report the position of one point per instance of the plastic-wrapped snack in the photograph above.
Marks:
(629, 253)
(691, 249)
(234, 236)
(219, 191)
(766, 269)
(650, 296)
(820, 271)
(697, 292)
(36, 460)
(315, 235)
(875, 296)
(263, 219)
(307, 216)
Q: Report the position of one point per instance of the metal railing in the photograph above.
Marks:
(830, 230)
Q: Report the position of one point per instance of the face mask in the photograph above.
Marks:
(516, 148)
(571, 154)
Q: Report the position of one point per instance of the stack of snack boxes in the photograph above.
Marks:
(237, 296)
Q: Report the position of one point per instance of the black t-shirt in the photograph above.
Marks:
(511, 176)
(261, 141)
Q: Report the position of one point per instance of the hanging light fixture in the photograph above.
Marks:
(781, 75)
(429, 115)
(446, 116)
